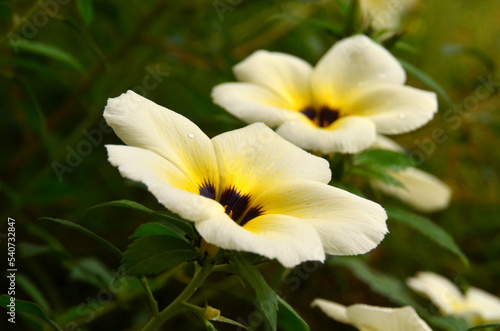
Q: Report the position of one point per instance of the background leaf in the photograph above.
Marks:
(267, 299)
(154, 254)
(427, 228)
(28, 308)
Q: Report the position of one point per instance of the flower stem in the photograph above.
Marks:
(201, 273)
(151, 299)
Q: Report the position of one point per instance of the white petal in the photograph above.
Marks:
(350, 134)
(421, 190)
(279, 237)
(371, 318)
(394, 109)
(252, 103)
(176, 191)
(141, 123)
(484, 304)
(353, 63)
(382, 142)
(332, 309)
(443, 293)
(255, 158)
(346, 223)
(284, 74)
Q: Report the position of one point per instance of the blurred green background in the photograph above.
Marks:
(61, 60)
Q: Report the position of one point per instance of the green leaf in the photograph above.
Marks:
(174, 222)
(288, 319)
(89, 233)
(154, 254)
(32, 290)
(29, 250)
(226, 320)
(352, 17)
(448, 323)
(267, 299)
(28, 308)
(377, 174)
(86, 10)
(92, 271)
(154, 228)
(426, 79)
(50, 51)
(427, 228)
(486, 326)
(379, 282)
(382, 158)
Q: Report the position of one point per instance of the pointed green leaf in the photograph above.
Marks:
(174, 222)
(494, 326)
(226, 320)
(28, 308)
(288, 319)
(154, 228)
(86, 10)
(124, 204)
(448, 323)
(33, 291)
(377, 174)
(426, 79)
(352, 17)
(382, 158)
(50, 51)
(154, 254)
(87, 232)
(427, 228)
(381, 283)
(268, 300)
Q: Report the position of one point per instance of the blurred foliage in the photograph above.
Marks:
(61, 60)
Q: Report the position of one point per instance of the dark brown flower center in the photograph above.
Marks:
(236, 204)
(322, 117)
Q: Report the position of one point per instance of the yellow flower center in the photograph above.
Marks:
(323, 116)
(237, 205)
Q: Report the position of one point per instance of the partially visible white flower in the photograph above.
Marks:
(245, 190)
(476, 305)
(356, 90)
(421, 190)
(373, 318)
(384, 14)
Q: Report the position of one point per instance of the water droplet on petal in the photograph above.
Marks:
(191, 135)
(292, 123)
(402, 116)
(383, 76)
(185, 123)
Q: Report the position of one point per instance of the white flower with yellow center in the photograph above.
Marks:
(355, 91)
(420, 190)
(373, 318)
(476, 305)
(245, 190)
(384, 14)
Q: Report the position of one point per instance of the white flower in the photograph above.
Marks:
(355, 91)
(476, 305)
(246, 190)
(384, 14)
(421, 190)
(372, 318)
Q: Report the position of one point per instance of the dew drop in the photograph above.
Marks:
(402, 116)
(185, 123)
(191, 135)
(383, 76)
(292, 123)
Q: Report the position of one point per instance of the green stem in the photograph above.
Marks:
(151, 298)
(199, 277)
